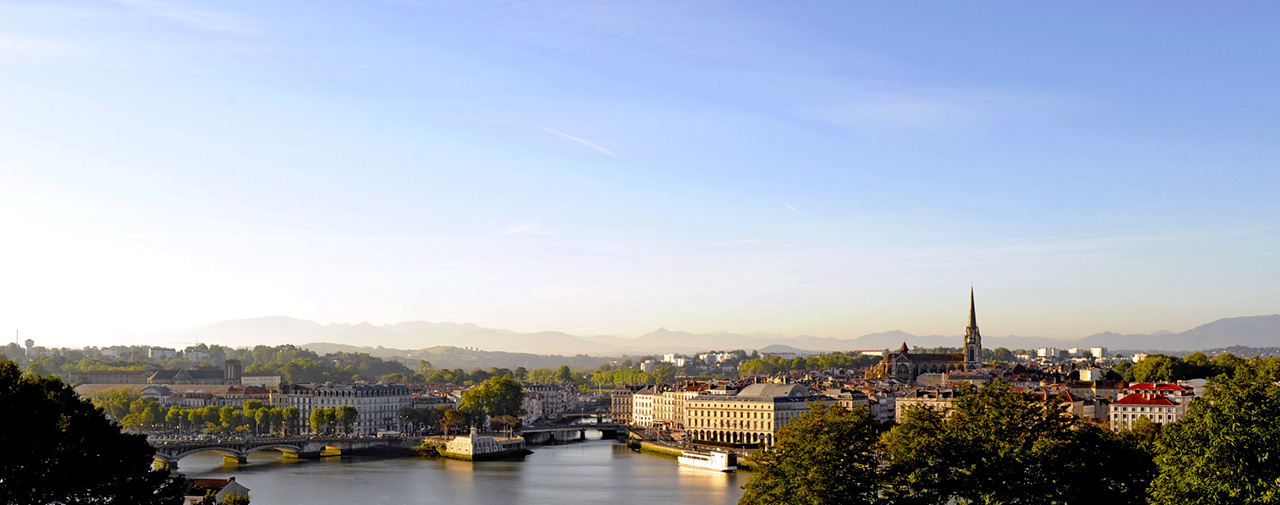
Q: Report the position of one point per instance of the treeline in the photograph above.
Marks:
(997, 445)
(292, 363)
(145, 415)
(778, 364)
(1163, 368)
(428, 373)
(498, 402)
(303, 366)
(327, 420)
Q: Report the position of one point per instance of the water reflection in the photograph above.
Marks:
(594, 471)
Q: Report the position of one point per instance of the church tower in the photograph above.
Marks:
(972, 339)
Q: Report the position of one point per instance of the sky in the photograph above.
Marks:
(822, 168)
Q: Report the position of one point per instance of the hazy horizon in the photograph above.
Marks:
(607, 169)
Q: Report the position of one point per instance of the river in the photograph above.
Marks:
(594, 471)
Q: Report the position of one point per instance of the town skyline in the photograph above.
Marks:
(1244, 331)
(831, 170)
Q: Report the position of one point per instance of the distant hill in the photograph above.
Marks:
(455, 357)
(1252, 331)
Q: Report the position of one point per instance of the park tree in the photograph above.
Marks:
(1156, 368)
(290, 416)
(1000, 446)
(345, 416)
(498, 396)
(452, 418)
(1227, 448)
(826, 456)
(318, 421)
(61, 449)
(262, 420)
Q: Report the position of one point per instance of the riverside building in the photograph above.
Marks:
(377, 404)
(753, 416)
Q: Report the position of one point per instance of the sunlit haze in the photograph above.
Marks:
(831, 169)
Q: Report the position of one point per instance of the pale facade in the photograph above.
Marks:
(1159, 402)
(753, 416)
(377, 404)
(642, 407)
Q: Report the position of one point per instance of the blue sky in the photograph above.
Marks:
(832, 169)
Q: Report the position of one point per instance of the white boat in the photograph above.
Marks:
(718, 461)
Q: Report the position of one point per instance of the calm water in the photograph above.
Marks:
(584, 472)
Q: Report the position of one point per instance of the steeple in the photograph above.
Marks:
(973, 314)
(972, 338)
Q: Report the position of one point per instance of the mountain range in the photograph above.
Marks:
(1253, 331)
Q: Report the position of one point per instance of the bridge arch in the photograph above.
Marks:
(286, 449)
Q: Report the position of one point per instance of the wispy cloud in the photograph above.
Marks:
(23, 49)
(793, 209)
(523, 229)
(198, 17)
(584, 142)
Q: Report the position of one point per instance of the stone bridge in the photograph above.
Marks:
(558, 434)
(168, 452)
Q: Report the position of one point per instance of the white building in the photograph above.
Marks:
(261, 379)
(642, 406)
(1159, 402)
(753, 416)
(162, 353)
(377, 404)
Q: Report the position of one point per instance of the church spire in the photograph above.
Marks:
(972, 339)
(973, 314)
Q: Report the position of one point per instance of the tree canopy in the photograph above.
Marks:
(498, 396)
(826, 456)
(1000, 446)
(61, 449)
(1227, 448)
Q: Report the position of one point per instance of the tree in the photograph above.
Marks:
(826, 456)
(346, 416)
(174, 417)
(290, 417)
(1225, 450)
(317, 420)
(498, 396)
(60, 449)
(262, 420)
(1000, 446)
(1156, 368)
(452, 418)
(564, 374)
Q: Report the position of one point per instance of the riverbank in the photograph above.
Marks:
(667, 451)
(590, 472)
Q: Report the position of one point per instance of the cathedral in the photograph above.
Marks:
(905, 367)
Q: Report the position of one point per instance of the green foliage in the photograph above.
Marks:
(826, 456)
(452, 418)
(613, 377)
(413, 420)
(1227, 448)
(777, 364)
(1162, 368)
(1000, 446)
(345, 416)
(291, 417)
(61, 449)
(495, 397)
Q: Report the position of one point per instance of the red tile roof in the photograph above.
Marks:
(1157, 386)
(1144, 400)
